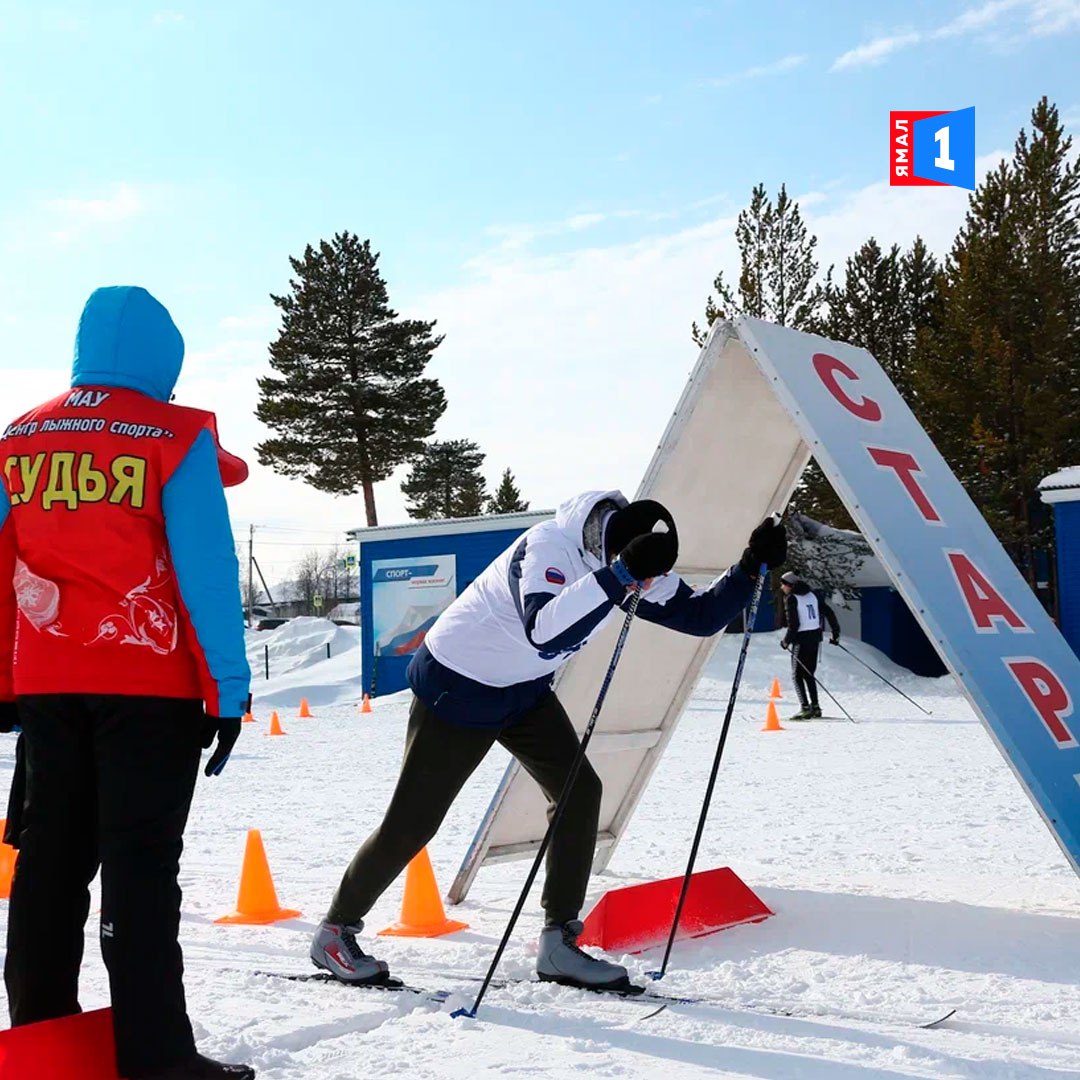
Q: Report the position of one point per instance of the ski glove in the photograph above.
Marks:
(226, 730)
(9, 716)
(768, 545)
(648, 556)
(835, 639)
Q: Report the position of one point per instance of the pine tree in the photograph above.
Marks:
(507, 498)
(998, 378)
(349, 403)
(885, 300)
(778, 273)
(778, 282)
(921, 277)
(826, 558)
(445, 481)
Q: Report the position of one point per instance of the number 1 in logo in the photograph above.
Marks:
(943, 161)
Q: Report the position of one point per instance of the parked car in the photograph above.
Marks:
(270, 624)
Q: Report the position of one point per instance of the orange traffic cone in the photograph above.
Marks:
(275, 725)
(257, 902)
(772, 721)
(248, 718)
(8, 855)
(366, 706)
(774, 693)
(422, 913)
(305, 711)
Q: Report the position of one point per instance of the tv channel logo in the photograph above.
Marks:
(932, 149)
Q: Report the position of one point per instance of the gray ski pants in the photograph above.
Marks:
(439, 758)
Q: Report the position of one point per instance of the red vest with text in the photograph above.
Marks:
(98, 607)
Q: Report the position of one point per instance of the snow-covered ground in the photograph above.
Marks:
(312, 658)
(908, 872)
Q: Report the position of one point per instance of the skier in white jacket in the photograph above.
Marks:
(484, 675)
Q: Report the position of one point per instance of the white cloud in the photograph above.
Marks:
(70, 218)
(976, 19)
(577, 222)
(564, 367)
(1054, 16)
(1035, 18)
(761, 71)
(519, 236)
(874, 52)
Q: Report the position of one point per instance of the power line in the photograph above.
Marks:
(294, 529)
(293, 543)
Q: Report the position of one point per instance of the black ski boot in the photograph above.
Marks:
(815, 712)
(201, 1068)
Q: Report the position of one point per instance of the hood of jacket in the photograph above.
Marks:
(127, 339)
(584, 518)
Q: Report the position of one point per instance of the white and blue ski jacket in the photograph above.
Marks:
(493, 654)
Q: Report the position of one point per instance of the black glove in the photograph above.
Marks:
(785, 644)
(835, 639)
(9, 716)
(650, 555)
(768, 545)
(226, 730)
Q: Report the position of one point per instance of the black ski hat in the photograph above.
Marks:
(637, 519)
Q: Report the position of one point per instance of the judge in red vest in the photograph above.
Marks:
(121, 656)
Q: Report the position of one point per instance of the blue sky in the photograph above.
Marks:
(554, 183)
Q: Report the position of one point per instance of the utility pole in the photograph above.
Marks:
(251, 575)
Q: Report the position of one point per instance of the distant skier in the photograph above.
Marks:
(804, 610)
(484, 675)
(121, 655)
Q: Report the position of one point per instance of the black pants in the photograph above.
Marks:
(109, 782)
(804, 657)
(439, 758)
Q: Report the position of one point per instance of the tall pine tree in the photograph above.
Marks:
(998, 379)
(445, 481)
(777, 279)
(507, 497)
(883, 303)
(349, 402)
(778, 282)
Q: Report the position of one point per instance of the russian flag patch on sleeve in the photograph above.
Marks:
(554, 576)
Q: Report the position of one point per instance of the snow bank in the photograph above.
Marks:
(300, 667)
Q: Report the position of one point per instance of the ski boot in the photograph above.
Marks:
(805, 713)
(201, 1068)
(334, 948)
(815, 712)
(561, 961)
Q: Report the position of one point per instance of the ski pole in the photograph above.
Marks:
(883, 679)
(822, 686)
(751, 618)
(560, 806)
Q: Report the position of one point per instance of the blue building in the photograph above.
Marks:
(409, 574)
(1062, 492)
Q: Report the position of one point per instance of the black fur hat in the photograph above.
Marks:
(636, 519)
